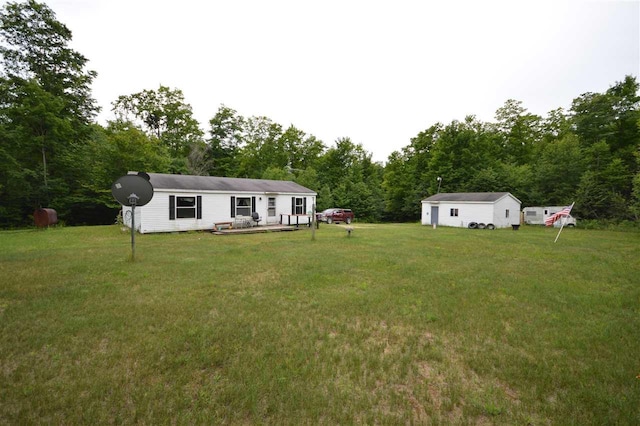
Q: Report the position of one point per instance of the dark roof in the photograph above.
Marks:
(213, 183)
(472, 197)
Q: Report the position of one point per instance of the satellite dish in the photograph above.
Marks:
(131, 190)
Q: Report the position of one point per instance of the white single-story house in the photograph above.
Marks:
(190, 203)
(500, 209)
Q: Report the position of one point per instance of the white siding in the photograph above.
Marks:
(467, 212)
(216, 207)
(500, 219)
(543, 213)
(126, 217)
(534, 219)
(479, 212)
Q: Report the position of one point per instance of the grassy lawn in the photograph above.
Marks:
(398, 324)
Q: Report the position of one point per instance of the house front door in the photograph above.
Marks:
(434, 215)
(271, 211)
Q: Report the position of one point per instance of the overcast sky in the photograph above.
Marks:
(378, 72)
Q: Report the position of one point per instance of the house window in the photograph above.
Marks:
(271, 208)
(185, 207)
(506, 213)
(243, 206)
(454, 212)
(299, 205)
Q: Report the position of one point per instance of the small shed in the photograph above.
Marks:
(191, 203)
(500, 209)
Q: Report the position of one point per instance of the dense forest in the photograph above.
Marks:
(54, 154)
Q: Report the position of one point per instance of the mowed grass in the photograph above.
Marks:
(397, 324)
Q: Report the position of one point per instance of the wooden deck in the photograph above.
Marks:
(259, 229)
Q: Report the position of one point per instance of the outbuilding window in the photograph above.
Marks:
(506, 213)
(454, 212)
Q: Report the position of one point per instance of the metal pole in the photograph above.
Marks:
(313, 222)
(132, 200)
(133, 231)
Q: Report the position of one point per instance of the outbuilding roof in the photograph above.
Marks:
(470, 197)
(227, 184)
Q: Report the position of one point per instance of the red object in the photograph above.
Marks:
(336, 215)
(554, 217)
(45, 217)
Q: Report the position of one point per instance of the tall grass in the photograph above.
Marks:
(396, 324)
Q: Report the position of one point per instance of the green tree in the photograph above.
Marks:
(262, 147)
(354, 180)
(556, 125)
(308, 178)
(162, 113)
(309, 152)
(517, 179)
(122, 147)
(45, 112)
(635, 200)
(117, 149)
(197, 161)
(335, 164)
(461, 150)
(372, 178)
(625, 98)
(406, 178)
(519, 130)
(397, 183)
(600, 194)
(225, 142)
(558, 170)
(611, 117)
(275, 173)
(302, 151)
(325, 199)
(35, 48)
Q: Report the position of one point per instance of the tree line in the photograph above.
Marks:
(54, 154)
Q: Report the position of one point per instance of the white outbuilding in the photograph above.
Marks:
(190, 203)
(471, 209)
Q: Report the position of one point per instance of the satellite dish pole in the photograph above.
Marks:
(133, 190)
(133, 199)
(313, 220)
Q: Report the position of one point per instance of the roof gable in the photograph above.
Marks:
(226, 184)
(470, 197)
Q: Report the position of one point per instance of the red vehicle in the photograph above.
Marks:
(336, 215)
